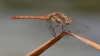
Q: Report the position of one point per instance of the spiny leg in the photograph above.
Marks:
(52, 31)
(63, 28)
(55, 25)
(66, 28)
(54, 28)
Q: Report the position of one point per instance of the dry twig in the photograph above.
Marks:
(91, 43)
(46, 45)
(49, 43)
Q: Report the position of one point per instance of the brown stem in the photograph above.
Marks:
(46, 45)
(91, 43)
(49, 43)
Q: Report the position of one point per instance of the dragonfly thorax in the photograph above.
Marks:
(60, 18)
(55, 19)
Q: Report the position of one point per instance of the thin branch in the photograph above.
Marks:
(46, 45)
(91, 43)
(49, 43)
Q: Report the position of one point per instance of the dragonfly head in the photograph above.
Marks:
(68, 21)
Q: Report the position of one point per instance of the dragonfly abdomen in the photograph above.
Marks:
(30, 17)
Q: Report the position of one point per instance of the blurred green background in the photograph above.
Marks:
(68, 5)
(19, 37)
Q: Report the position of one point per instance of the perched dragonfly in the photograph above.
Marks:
(58, 22)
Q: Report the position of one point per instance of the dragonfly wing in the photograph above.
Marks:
(51, 27)
(78, 28)
(74, 27)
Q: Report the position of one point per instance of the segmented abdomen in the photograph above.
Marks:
(45, 17)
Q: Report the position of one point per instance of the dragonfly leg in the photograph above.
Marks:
(63, 28)
(54, 32)
(53, 29)
(54, 26)
(66, 29)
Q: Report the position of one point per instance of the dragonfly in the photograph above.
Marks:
(58, 22)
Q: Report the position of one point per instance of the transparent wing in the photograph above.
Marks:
(51, 27)
(78, 28)
(74, 27)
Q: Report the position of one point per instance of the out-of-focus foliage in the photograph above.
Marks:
(74, 5)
